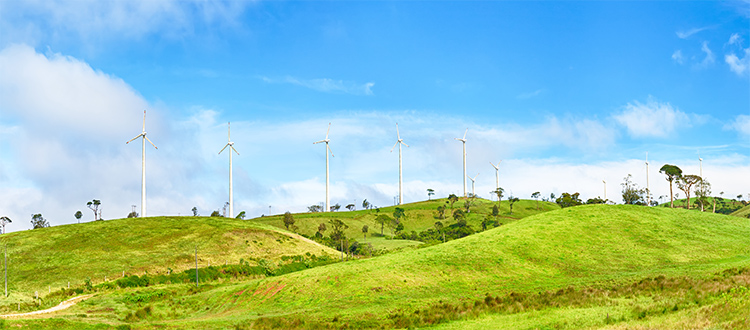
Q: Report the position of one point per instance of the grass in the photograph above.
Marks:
(743, 212)
(586, 249)
(50, 258)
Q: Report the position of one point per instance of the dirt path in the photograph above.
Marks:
(61, 306)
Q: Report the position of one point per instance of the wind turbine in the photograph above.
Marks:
(230, 144)
(399, 142)
(605, 189)
(328, 150)
(648, 191)
(463, 140)
(143, 164)
(701, 163)
(497, 176)
(472, 183)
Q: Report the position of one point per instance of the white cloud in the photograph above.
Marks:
(741, 124)
(709, 59)
(325, 85)
(734, 39)
(677, 57)
(652, 119)
(688, 33)
(737, 64)
(529, 95)
(93, 21)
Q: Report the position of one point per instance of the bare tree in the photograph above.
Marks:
(94, 206)
(4, 221)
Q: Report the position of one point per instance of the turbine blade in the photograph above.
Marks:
(235, 150)
(131, 140)
(225, 146)
(229, 131)
(397, 134)
(467, 130)
(144, 120)
(328, 131)
(394, 146)
(321, 141)
(402, 142)
(149, 141)
(329, 149)
(493, 165)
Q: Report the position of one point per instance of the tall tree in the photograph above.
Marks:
(685, 183)
(195, 211)
(94, 206)
(4, 221)
(351, 207)
(382, 220)
(460, 216)
(499, 192)
(335, 207)
(365, 228)
(398, 213)
(321, 229)
(78, 216)
(439, 228)
(536, 196)
(630, 192)
(452, 198)
(241, 215)
(673, 173)
(441, 211)
(38, 221)
(288, 219)
(512, 200)
(703, 194)
(430, 192)
(338, 233)
(365, 204)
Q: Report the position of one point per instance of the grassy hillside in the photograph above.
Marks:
(723, 205)
(592, 246)
(71, 253)
(743, 212)
(419, 216)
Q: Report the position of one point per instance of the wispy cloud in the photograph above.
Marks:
(688, 33)
(325, 85)
(734, 39)
(652, 119)
(709, 59)
(741, 124)
(677, 57)
(525, 96)
(737, 64)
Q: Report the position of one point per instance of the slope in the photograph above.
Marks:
(743, 212)
(56, 256)
(592, 245)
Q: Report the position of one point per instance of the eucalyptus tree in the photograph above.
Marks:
(685, 183)
(673, 173)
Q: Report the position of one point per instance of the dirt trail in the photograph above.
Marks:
(61, 306)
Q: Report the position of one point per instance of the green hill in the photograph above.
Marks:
(743, 212)
(591, 246)
(57, 255)
(714, 204)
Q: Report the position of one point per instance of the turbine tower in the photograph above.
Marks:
(463, 140)
(605, 190)
(497, 176)
(648, 191)
(143, 164)
(701, 163)
(472, 184)
(230, 144)
(399, 142)
(328, 150)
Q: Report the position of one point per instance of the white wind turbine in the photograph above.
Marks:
(230, 144)
(497, 176)
(143, 164)
(648, 191)
(472, 183)
(463, 140)
(328, 150)
(701, 163)
(399, 142)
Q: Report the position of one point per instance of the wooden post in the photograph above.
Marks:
(36, 294)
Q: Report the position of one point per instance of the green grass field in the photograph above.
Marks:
(743, 212)
(51, 257)
(561, 265)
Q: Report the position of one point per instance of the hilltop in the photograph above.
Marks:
(54, 256)
(590, 247)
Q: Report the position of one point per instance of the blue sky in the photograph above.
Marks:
(565, 93)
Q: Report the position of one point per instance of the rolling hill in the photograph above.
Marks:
(591, 247)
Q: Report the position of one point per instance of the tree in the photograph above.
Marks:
(499, 192)
(133, 214)
(673, 173)
(439, 228)
(552, 196)
(314, 208)
(685, 183)
(351, 207)
(216, 214)
(321, 229)
(568, 200)
(288, 220)
(430, 192)
(460, 217)
(94, 206)
(365, 204)
(495, 211)
(512, 200)
(4, 221)
(595, 200)
(393, 225)
(365, 228)
(241, 216)
(630, 192)
(536, 196)
(452, 198)
(195, 211)
(398, 213)
(338, 233)
(382, 220)
(38, 221)
(703, 193)
(78, 216)
(335, 207)
(441, 211)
